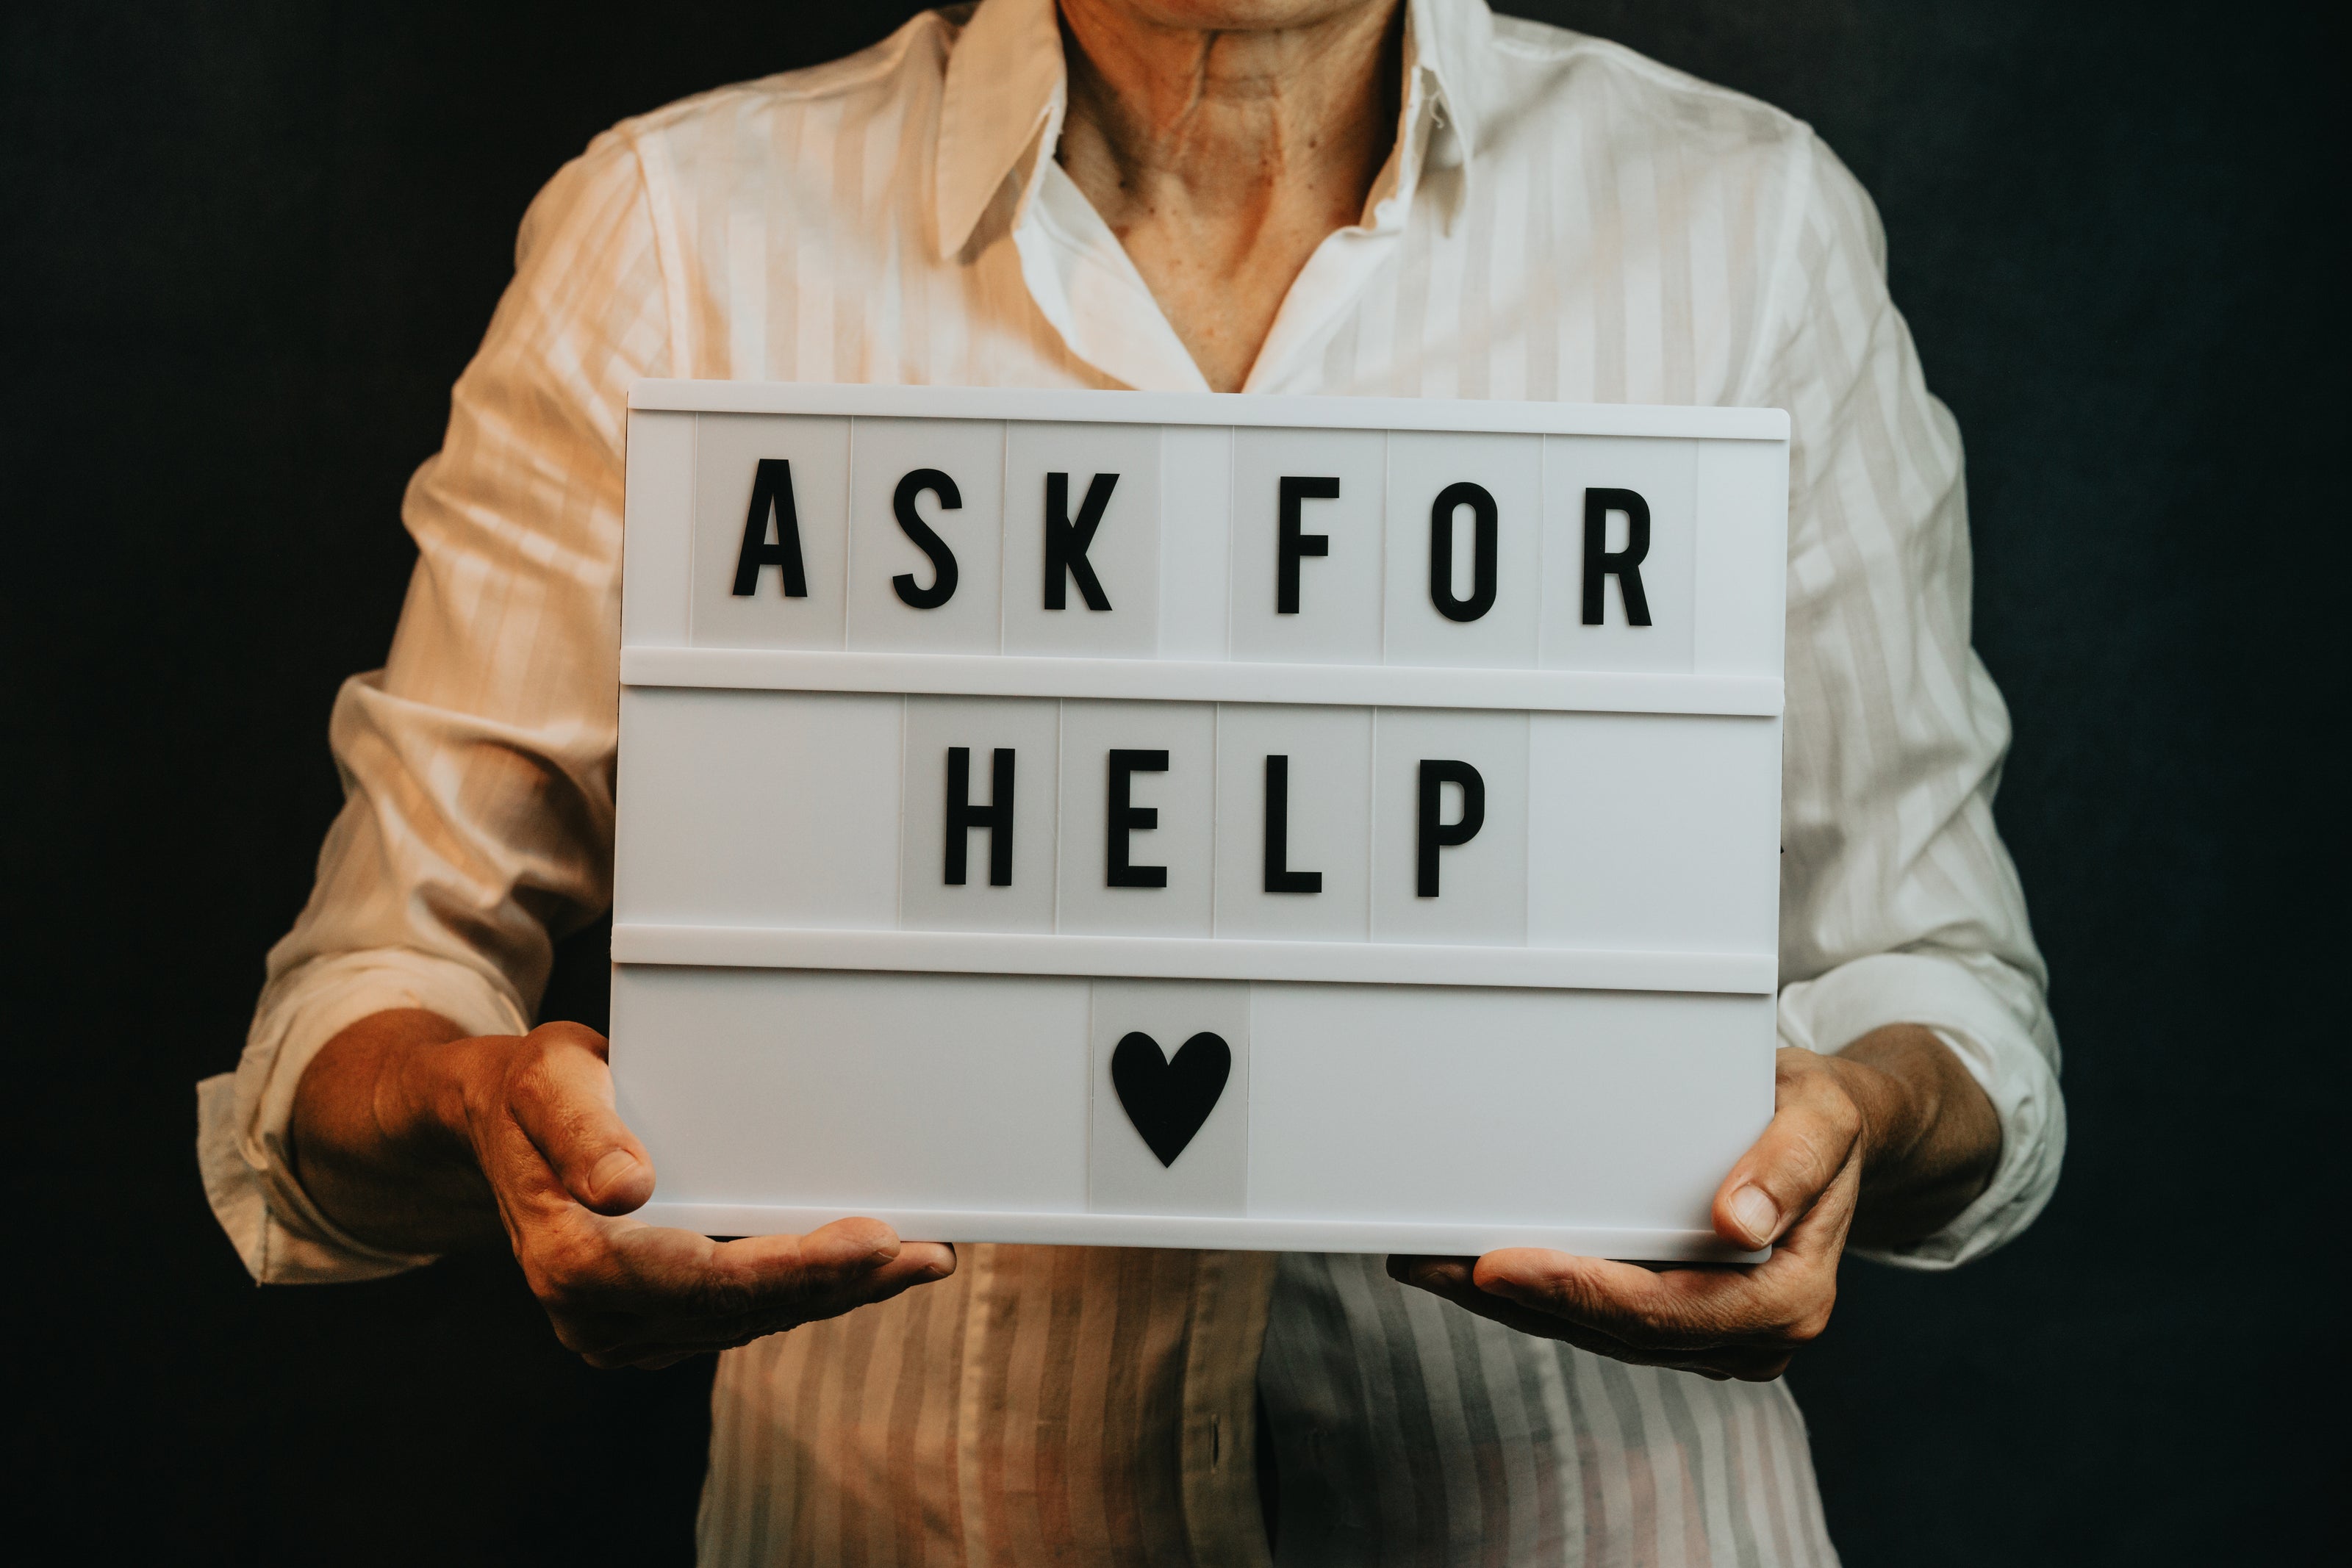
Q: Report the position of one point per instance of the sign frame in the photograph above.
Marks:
(678, 982)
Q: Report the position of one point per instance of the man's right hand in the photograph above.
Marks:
(415, 1137)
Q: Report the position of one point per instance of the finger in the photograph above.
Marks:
(1808, 1141)
(1451, 1279)
(1686, 1309)
(850, 1260)
(1817, 1241)
(1776, 1306)
(1426, 1270)
(562, 1097)
(610, 1283)
(607, 1342)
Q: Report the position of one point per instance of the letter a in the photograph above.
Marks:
(772, 492)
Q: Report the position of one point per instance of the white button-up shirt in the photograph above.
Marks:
(1560, 219)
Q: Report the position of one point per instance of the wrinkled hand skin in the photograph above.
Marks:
(1885, 1141)
(415, 1138)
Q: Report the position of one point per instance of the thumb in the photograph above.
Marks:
(563, 1102)
(1796, 1161)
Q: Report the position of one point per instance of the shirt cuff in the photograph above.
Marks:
(242, 1117)
(1993, 1019)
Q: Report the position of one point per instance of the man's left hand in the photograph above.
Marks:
(1903, 1107)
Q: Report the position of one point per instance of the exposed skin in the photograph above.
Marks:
(1222, 140)
(416, 1138)
(1883, 1142)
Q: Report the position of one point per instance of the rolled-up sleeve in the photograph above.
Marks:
(1899, 903)
(477, 764)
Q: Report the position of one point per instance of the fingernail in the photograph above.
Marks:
(611, 1171)
(1755, 1213)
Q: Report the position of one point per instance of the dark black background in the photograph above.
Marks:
(246, 245)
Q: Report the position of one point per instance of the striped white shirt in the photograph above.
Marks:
(1560, 219)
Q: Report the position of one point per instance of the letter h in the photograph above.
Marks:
(996, 815)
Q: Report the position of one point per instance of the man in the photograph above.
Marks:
(1391, 196)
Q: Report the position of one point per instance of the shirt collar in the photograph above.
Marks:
(1007, 82)
(1450, 44)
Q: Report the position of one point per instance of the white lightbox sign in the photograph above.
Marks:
(1325, 823)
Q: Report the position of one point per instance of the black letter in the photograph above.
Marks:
(1600, 561)
(996, 815)
(1119, 818)
(1279, 878)
(943, 562)
(772, 490)
(1482, 551)
(1435, 834)
(1290, 544)
(1066, 542)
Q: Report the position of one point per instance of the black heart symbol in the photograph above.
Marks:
(1166, 1100)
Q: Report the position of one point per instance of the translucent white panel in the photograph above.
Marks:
(1338, 592)
(1661, 473)
(1653, 832)
(1739, 601)
(1498, 606)
(757, 809)
(859, 1091)
(894, 586)
(1180, 844)
(1196, 488)
(1579, 1108)
(1192, 1025)
(1119, 467)
(981, 726)
(729, 451)
(1327, 788)
(1481, 883)
(659, 539)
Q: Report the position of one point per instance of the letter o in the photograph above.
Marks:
(1483, 548)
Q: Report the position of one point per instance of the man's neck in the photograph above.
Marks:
(1221, 152)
